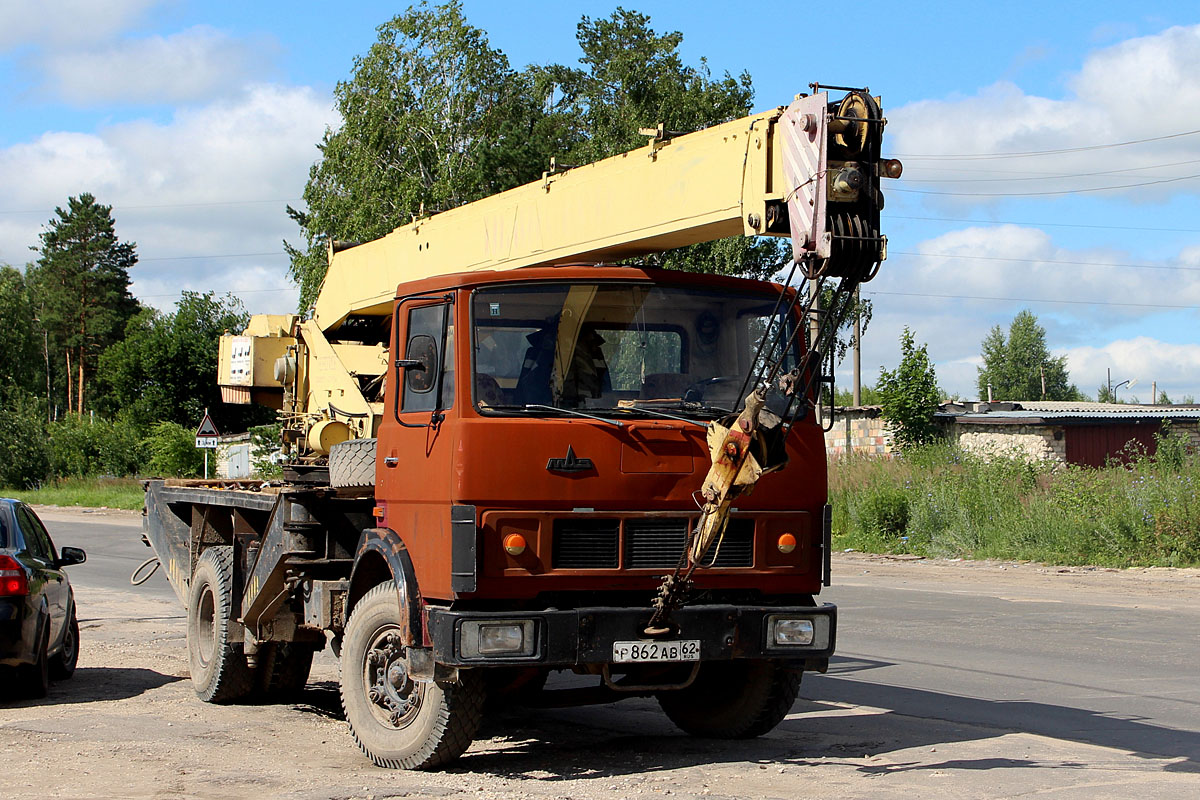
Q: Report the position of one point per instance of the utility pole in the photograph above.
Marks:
(1110, 397)
(857, 396)
(1042, 369)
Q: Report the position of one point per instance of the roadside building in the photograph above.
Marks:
(1068, 432)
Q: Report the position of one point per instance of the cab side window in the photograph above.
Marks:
(425, 325)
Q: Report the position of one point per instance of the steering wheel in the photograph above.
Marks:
(695, 393)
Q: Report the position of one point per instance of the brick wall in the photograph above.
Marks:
(858, 430)
(1190, 429)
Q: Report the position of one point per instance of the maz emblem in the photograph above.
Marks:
(570, 464)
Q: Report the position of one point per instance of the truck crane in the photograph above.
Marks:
(511, 451)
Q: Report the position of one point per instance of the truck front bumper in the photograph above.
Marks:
(566, 638)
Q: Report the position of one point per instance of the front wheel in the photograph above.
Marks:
(398, 722)
(733, 699)
(62, 665)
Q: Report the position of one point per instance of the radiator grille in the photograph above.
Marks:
(586, 544)
(656, 543)
(737, 548)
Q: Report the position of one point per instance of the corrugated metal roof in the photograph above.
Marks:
(1106, 408)
(1062, 410)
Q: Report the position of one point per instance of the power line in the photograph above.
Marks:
(1042, 194)
(1045, 224)
(117, 207)
(1031, 300)
(1030, 153)
(224, 255)
(234, 292)
(1045, 261)
(1039, 176)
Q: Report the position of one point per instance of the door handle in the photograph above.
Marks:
(391, 461)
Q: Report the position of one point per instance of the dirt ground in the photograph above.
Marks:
(128, 725)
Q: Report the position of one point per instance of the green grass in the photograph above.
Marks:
(941, 502)
(90, 492)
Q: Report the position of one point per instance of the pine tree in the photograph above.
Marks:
(21, 362)
(80, 287)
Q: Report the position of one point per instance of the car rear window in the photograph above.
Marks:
(5, 525)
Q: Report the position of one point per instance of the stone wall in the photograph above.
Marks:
(860, 431)
(1189, 429)
(1030, 442)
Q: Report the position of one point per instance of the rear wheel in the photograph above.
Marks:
(283, 668)
(217, 662)
(733, 699)
(62, 665)
(399, 722)
(35, 678)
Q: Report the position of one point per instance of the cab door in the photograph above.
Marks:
(416, 441)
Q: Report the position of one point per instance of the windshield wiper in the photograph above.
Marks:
(571, 411)
(686, 406)
(656, 413)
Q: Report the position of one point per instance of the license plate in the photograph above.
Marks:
(626, 652)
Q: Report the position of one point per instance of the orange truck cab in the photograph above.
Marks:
(540, 456)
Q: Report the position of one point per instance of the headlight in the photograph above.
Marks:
(809, 632)
(480, 639)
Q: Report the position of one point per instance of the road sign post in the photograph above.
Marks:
(206, 438)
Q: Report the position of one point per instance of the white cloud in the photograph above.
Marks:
(63, 23)
(195, 64)
(1019, 264)
(1175, 368)
(195, 186)
(939, 292)
(1139, 89)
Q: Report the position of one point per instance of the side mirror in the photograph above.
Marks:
(71, 555)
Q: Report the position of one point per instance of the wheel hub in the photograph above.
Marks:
(394, 695)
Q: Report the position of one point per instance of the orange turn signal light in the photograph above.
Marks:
(514, 544)
(787, 543)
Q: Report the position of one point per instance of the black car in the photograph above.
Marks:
(39, 632)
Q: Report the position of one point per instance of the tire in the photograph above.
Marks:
(283, 668)
(410, 726)
(62, 665)
(352, 464)
(217, 664)
(733, 699)
(35, 678)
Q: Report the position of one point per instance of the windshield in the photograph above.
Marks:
(613, 346)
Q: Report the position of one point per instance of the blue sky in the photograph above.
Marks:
(198, 120)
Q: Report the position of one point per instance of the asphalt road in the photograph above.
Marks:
(1108, 669)
(114, 549)
(1003, 680)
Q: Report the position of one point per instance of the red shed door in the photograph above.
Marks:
(1093, 445)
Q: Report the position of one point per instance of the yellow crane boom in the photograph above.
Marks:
(783, 172)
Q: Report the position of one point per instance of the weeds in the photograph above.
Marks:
(941, 501)
(124, 493)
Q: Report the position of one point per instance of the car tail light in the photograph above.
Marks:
(13, 580)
